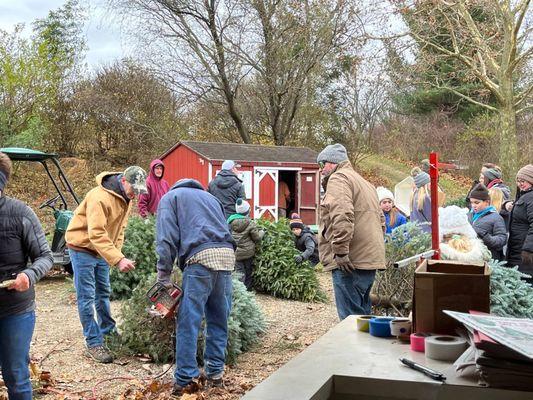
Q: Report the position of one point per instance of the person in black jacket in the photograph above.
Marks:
(21, 240)
(305, 241)
(227, 187)
(487, 222)
(520, 244)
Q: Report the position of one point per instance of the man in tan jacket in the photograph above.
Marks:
(350, 242)
(94, 237)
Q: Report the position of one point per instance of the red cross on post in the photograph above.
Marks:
(434, 175)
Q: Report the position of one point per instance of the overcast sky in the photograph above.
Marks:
(104, 40)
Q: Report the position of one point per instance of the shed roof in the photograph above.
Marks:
(250, 152)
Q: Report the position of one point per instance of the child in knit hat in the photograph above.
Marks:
(421, 201)
(247, 235)
(304, 240)
(487, 222)
(393, 217)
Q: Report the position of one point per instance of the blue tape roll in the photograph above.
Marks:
(380, 327)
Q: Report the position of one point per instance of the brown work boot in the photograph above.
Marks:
(189, 388)
(99, 354)
(214, 383)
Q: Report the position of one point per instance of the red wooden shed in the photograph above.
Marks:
(262, 169)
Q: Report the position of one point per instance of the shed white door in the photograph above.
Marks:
(266, 193)
(308, 195)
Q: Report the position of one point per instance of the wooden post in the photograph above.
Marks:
(434, 175)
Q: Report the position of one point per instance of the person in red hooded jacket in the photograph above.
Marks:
(157, 187)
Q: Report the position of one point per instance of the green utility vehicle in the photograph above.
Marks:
(58, 204)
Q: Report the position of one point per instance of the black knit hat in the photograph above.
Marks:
(480, 192)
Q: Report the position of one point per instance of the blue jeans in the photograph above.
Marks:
(93, 288)
(352, 291)
(205, 292)
(15, 337)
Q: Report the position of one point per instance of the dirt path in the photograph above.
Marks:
(58, 346)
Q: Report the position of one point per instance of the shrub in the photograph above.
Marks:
(277, 273)
(142, 333)
(139, 245)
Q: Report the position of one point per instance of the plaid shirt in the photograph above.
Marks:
(218, 259)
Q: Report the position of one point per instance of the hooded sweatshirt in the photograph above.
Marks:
(157, 187)
(99, 222)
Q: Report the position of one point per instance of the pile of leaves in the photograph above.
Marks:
(393, 287)
(277, 273)
(139, 246)
(510, 296)
(142, 333)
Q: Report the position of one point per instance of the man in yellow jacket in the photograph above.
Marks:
(94, 237)
(350, 241)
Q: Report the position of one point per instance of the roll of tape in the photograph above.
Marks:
(363, 322)
(380, 326)
(400, 327)
(445, 348)
(418, 341)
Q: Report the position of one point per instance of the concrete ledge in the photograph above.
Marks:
(348, 364)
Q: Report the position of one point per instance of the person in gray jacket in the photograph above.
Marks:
(227, 187)
(21, 240)
(305, 241)
(487, 222)
(247, 235)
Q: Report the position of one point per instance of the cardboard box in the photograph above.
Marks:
(448, 285)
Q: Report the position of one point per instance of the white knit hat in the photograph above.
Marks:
(242, 206)
(454, 220)
(384, 193)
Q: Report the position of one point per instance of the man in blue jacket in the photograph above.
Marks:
(192, 229)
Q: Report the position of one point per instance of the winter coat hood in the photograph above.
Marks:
(239, 222)
(226, 179)
(188, 183)
(154, 164)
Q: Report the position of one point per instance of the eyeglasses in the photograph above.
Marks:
(321, 164)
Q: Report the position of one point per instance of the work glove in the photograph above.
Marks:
(298, 258)
(163, 278)
(527, 257)
(344, 263)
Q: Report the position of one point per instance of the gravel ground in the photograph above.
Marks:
(58, 347)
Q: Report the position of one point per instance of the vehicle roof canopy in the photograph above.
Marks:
(22, 154)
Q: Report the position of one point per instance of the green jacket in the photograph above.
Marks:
(246, 233)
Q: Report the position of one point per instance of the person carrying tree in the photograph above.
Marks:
(305, 241)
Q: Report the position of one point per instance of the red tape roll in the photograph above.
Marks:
(418, 341)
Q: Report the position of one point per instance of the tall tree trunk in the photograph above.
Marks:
(508, 141)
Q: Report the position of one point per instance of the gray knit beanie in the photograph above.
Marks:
(526, 173)
(422, 179)
(334, 153)
(492, 173)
